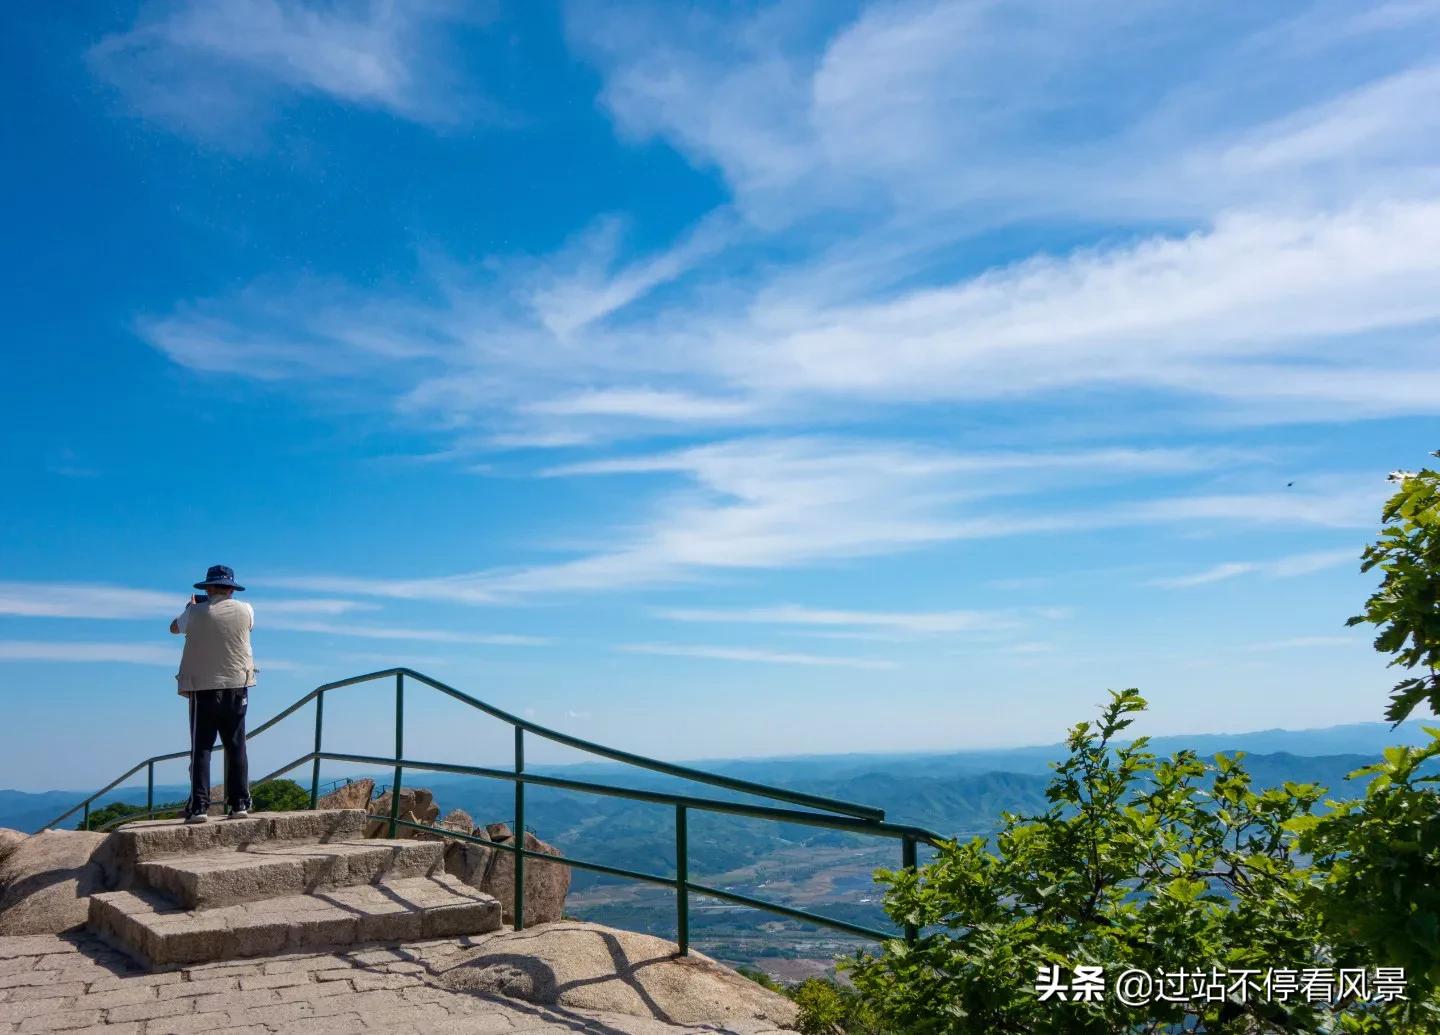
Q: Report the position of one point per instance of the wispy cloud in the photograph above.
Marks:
(315, 607)
(88, 600)
(1280, 568)
(121, 653)
(958, 107)
(1295, 277)
(768, 657)
(893, 621)
(74, 600)
(386, 632)
(765, 504)
(1252, 317)
(1306, 642)
(217, 71)
(644, 403)
(116, 653)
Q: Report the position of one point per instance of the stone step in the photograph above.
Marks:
(156, 839)
(160, 934)
(269, 869)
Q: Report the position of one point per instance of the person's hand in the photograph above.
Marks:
(192, 599)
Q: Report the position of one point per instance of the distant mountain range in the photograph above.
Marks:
(953, 793)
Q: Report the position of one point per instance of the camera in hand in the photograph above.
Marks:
(201, 598)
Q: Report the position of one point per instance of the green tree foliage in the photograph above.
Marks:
(1380, 863)
(1406, 607)
(1158, 864)
(762, 979)
(279, 796)
(270, 796)
(828, 1008)
(118, 810)
(1139, 862)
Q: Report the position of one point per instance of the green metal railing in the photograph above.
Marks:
(817, 811)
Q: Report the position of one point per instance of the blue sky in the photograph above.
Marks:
(740, 381)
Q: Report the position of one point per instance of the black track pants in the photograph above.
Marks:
(219, 712)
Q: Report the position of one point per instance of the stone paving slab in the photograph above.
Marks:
(79, 984)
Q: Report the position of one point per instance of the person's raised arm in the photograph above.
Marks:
(177, 625)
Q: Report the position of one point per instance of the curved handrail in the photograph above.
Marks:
(814, 801)
(833, 813)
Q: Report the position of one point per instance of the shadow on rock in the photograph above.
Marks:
(592, 967)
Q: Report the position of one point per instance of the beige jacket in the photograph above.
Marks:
(217, 646)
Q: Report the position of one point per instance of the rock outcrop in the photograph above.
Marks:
(546, 884)
(354, 795)
(591, 967)
(48, 878)
(9, 840)
(491, 869)
(457, 820)
(469, 861)
(416, 805)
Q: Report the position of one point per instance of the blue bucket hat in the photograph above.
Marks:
(220, 575)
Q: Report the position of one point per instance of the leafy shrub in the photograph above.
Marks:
(1162, 864)
(1133, 865)
(117, 810)
(762, 979)
(279, 796)
(828, 1008)
(1406, 606)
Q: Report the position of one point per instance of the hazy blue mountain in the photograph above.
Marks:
(949, 792)
(25, 810)
(1360, 738)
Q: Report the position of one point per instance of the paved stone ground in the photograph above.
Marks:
(77, 984)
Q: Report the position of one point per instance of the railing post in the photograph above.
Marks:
(907, 861)
(315, 770)
(150, 787)
(682, 880)
(87, 817)
(399, 750)
(519, 829)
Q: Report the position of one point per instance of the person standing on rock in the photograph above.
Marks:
(216, 673)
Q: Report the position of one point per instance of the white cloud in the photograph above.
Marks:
(113, 653)
(764, 504)
(1306, 642)
(76, 600)
(385, 632)
(1192, 313)
(1238, 240)
(89, 600)
(1025, 109)
(768, 657)
(217, 70)
(1297, 276)
(1252, 317)
(314, 607)
(587, 281)
(895, 621)
(1280, 567)
(644, 403)
(120, 653)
